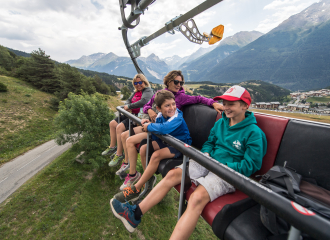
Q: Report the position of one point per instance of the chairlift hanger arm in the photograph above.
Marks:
(177, 22)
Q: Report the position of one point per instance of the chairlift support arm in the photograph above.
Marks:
(174, 24)
(185, 17)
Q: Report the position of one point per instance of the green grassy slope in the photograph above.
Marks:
(26, 119)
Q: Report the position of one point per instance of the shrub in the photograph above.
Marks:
(3, 71)
(54, 103)
(3, 87)
(83, 120)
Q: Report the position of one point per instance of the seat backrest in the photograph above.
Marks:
(273, 127)
(305, 147)
(200, 119)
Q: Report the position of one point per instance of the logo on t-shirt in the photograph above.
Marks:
(237, 144)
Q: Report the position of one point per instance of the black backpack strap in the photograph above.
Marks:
(273, 222)
(288, 184)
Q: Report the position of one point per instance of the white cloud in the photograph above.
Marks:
(69, 29)
(278, 3)
(280, 11)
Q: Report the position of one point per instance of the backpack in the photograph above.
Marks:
(288, 183)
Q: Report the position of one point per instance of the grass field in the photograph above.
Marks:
(310, 117)
(26, 119)
(68, 200)
(318, 99)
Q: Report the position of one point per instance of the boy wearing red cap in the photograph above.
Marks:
(235, 140)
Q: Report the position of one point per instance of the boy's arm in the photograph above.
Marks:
(166, 127)
(255, 150)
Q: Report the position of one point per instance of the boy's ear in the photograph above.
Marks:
(158, 108)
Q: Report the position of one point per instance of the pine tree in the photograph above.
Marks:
(39, 70)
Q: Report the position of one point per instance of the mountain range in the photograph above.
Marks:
(152, 66)
(294, 55)
(195, 69)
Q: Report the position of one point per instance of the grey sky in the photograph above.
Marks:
(69, 29)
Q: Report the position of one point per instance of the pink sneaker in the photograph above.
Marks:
(122, 168)
(129, 181)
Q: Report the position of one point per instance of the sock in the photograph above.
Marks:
(112, 147)
(133, 175)
(125, 163)
(137, 213)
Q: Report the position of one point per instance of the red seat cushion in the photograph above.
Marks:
(273, 127)
(212, 208)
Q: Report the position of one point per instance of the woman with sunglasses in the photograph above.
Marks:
(141, 95)
(174, 81)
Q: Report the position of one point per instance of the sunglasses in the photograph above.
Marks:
(136, 83)
(176, 82)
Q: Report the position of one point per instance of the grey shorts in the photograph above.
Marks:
(214, 185)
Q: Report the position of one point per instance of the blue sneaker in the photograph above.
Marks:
(125, 213)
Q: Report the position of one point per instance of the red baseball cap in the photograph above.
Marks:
(236, 93)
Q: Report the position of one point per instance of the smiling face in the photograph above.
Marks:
(235, 109)
(168, 108)
(139, 87)
(175, 88)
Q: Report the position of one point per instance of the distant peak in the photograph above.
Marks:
(153, 57)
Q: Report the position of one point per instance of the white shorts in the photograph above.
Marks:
(214, 185)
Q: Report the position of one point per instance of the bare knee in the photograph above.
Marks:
(130, 141)
(124, 136)
(174, 175)
(143, 149)
(156, 157)
(113, 124)
(120, 128)
(198, 199)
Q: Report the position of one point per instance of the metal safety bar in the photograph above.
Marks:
(311, 223)
(137, 120)
(185, 161)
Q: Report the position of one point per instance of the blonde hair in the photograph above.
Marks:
(143, 79)
(171, 76)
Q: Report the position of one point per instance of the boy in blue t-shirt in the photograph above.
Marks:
(168, 121)
(235, 140)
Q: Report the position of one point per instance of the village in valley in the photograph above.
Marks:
(301, 102)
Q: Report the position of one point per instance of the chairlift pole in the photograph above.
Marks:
(174, 24)
(135, 14)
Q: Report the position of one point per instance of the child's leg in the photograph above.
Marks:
(172, 179)
(124, 137)
(131, 150)
(131, 216)
(156, 157)
(119, 130)
(187, 223)
(143, 152)
(113, 137)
